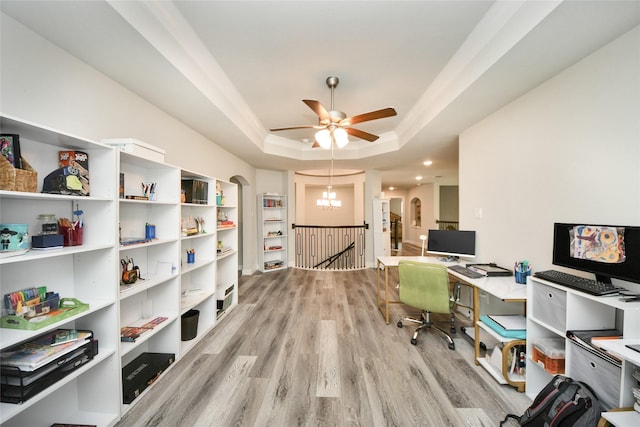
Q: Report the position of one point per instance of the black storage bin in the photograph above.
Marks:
(195, 191)
(143, 371)
(189, 325)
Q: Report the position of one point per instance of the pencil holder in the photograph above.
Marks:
(191, 258)
(72, 236)
(149, 232)
(521, 276)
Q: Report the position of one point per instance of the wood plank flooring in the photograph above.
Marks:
(310, 348)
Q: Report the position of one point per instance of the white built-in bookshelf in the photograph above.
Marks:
(168, 286)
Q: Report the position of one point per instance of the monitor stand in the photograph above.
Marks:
(449, 259)
(603, 279)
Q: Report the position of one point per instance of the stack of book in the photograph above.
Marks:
(132, 333)
(30, 367)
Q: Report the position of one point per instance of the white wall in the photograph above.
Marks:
(569, 150)
(43, 84)
(268, 181)
(430, 206)
(349, 189)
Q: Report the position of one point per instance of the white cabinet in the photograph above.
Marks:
(156, 293)
(272, 226)
(86, 272)
(227, 247)
(552, 310)
(381, 227)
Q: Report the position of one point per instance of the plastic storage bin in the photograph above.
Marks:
(549, 353)
(550, 306)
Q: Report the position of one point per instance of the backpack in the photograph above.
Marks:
(563, 402)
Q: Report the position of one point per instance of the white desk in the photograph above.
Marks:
(503, 288)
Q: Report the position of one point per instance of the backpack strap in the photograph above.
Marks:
(514, 416)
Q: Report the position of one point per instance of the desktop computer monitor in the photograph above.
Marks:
(608, 251)
(452, 243)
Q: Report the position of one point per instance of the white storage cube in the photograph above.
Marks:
(550, 306)
(601, 375)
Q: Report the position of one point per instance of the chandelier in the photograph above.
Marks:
(329, 200)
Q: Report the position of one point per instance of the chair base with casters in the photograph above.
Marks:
(426, 287)
(426, 322)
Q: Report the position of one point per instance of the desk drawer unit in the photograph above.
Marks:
(603, 376)
(549, 305)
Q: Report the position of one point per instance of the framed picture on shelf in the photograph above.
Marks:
(10, 148)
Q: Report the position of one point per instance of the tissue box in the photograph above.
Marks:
(47, 241)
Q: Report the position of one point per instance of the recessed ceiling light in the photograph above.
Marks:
(427, 163)
(418, 177)
(392, 188)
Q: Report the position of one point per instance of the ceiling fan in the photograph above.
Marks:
(335, 126)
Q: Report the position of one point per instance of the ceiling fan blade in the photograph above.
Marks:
(372, 115)
(297, 127)
(362, 134)
(315, 144)
(317, 107)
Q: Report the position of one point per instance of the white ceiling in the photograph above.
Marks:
(233, 69)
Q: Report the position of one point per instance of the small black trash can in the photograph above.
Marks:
(189, 325)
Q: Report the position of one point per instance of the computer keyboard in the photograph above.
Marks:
(578, 283)
(465, 271)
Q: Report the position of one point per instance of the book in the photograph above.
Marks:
(489, 270)
(600, 343)
(500, 330)
(10, 149)
(131, 333)
(510, 322)
(65, 335)
(155, 322)
(79, 161)
(585, 340)
(125, 241)
(38, 352)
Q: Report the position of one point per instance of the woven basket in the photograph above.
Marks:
(25, 179)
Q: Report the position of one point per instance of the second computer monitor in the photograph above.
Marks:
(452, 243)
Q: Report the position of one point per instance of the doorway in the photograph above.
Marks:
(241, 183)
(395, 216)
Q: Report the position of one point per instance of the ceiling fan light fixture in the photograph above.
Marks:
(341, 137)
(333, 120)
(324, 138)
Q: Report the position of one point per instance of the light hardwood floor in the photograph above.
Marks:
(310, 348)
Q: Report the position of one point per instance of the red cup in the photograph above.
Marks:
(72, 236)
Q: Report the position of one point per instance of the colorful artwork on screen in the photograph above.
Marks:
(598, 243)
